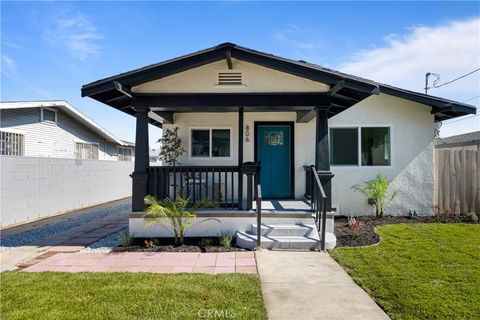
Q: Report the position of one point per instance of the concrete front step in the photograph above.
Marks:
(273, 230)
(297, 236)
(248, 240)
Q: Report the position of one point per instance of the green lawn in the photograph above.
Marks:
(420, 271)
(51, 295)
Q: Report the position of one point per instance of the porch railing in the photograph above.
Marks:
(218, 184)
(318, 201)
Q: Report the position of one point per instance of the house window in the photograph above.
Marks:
(344, 146)
(88, 151)
(49, 115)
(365, 146)
(12, 144)
(375, 146)
(124, 154)
(213, 143)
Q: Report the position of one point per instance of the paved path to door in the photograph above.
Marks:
(311, 285)
(68, 232)
(157, 262)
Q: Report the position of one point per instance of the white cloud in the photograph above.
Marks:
(9, 67)
(77, 34)
(450, 50)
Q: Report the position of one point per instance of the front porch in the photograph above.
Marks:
(260, 103)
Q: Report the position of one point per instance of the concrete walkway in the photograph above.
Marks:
(69, 240)
(156, 262)
(311, 285)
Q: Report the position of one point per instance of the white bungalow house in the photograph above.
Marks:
(56, 129)
(287, 136)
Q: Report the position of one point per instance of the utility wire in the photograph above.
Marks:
(448, 82)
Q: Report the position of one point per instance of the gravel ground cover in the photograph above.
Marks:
(105, 244)
(40, 233)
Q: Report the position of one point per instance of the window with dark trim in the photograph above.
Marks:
(213, 143)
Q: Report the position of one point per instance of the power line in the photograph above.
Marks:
(469, 117)
(437, 79)
(448, 82)
(472, 99)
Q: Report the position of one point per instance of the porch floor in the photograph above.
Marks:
(288, 205)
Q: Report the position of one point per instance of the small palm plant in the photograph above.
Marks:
(377, 193)
(175, 214)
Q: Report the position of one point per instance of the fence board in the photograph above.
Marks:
(457, 179)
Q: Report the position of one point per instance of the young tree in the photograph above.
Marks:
(171, 147)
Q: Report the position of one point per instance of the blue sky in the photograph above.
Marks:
(50, 49)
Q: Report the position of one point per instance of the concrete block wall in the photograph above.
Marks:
(33, 188)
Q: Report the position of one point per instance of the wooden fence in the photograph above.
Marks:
(457, 178)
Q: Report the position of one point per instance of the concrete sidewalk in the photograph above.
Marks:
(311, 285)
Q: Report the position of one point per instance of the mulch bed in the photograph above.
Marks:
(367, 235)
(190, 245)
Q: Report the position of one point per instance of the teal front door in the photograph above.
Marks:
(274, 152)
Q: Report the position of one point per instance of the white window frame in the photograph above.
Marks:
(49, 121)
(209, 128)
(21, 152)
(85, 142)
(359, 137)
(118, 153)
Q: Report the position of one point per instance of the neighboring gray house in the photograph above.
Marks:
(56, 129)
(460, 140)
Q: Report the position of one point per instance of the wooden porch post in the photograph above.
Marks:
(140, 174)
(322, 152)
(240, 158)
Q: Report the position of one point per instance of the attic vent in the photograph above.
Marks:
(229, 78)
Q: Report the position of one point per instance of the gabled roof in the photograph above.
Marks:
(355, 88)
(68, 109)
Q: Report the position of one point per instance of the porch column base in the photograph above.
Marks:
(326, 181)
(139, 190)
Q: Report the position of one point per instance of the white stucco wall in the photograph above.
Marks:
(33, 188)
(411, 168)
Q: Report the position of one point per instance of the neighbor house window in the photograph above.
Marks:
(124, 154)
(12, 144)
(88, 151)
(210, 143)
(365, 146)
(49, 115)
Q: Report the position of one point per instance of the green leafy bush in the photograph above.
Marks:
(225, 239)
(473, 217)
(126, 240)
(175, 215)
(376, 192)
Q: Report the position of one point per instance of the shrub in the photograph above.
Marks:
(171, 146)
(473, 217)
(151, 243)
(376, 192)
(126, 240)
(205, 242)
(412, 214)
(225, 239)
(354, 226)
(174, 214)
